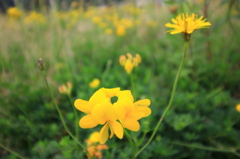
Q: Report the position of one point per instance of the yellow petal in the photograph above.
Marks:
(143, 102)
(111, 92)
(146, 110)
(94, 137)
(128, 66)
(117, 128)
(99, 114)
(108, 110)
(87, 122)
(131, 124)
(125, 94)
(96, 98)
(104, 134)
(137, 115)
(82, 105)
(120, 110)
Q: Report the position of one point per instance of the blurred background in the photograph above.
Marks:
(82, 40)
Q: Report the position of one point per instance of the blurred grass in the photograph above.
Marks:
(76, 48)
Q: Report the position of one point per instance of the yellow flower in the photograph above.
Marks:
(238, 107)
(129, 62)
(121, 31)
(65, 89)
(95, 83)
(100, 110)
(93, 148)
(108, 31)
(34, 17)
(14, 12)
(187, 24)
(96, 19)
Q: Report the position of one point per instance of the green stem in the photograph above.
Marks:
(15, 153)
(206, 148)
(171, 98)
(131, 143)
(76, 116)
(60, 115)
(132, 83)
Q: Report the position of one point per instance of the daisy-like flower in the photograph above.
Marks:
(186, 24)
(124, 113)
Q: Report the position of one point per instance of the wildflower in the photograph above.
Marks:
(93, 147)
(95, 83)
(65, 89)
(96, 19)
(108, 31)
(238, 107)
(121, 31)
(113, 116)
(14, 12)
(34, 17)
(186, 24)
(129, 62)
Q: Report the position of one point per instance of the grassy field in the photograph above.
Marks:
(79, 45)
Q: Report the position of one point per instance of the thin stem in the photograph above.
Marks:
(206, 148)
(132, 83)
(171, 98)
(15, 153)
(60, 114)
(76, 116)
(131, 143)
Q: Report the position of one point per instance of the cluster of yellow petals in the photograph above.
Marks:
(114, 117)
(129, 62)
(93, 147)
(65, 89)
(185, 23)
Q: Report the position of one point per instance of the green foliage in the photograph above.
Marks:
(202, 122)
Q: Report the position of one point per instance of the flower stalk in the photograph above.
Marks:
(186, 44)
(13, 152)
(43, 73)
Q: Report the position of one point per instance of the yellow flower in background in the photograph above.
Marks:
(74, 5)
(100, 110)
(93, 147)
(14, 12)
(34, 17)
(129, 62)
(95, 83)
(96, 19)
(238, 107)
(185, 23)
(108, 31)
(65, 89)
(120, 31)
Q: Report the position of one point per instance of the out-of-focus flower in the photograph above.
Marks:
(100, 110)
(152, 23)
(14, 12)
(96, 19)
(94, 83)
(65, 89)
(34, 17)
(238, 107)
(186, 24)
(74, 5)
(93, 147)
(129, 62)
(108, 31)
(121, 30)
